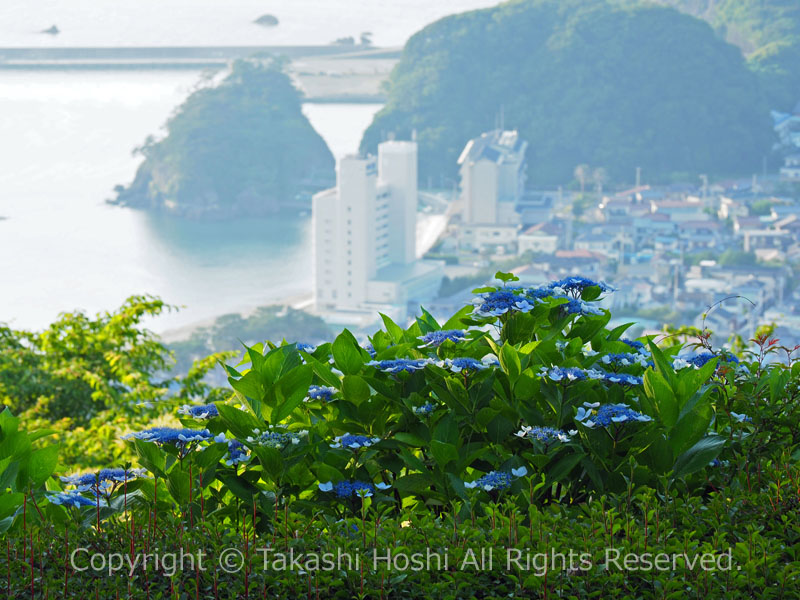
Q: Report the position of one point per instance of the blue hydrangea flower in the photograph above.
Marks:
(576, 306)
(547, 435)
(697, 360)
(170, 435)
(567, 374)
(575, 285)
(205, 411)
(592, 415)
(496, 480)
(71, 498)
(638, 346)
(424, 410)
(348, 489)
(741, 418)
(370, 349)
(103, 481)
(623, 378)
(624, 359)
(307, 348)
(354, 442)
(437, 338)
(275, 439)
(457, 365)
(409, 365)
(318, 392)
(237, 453)
(494, 304)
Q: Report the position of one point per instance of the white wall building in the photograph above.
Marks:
(364, 236)
(492, 169)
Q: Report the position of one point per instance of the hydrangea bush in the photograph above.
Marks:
(525, 392)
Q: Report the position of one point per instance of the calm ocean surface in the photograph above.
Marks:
(217, 22)
(66, 141)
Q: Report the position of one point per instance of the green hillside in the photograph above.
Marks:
(243, 147)
(615, 86)
(767, 31)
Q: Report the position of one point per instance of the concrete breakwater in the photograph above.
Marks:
(327, 73)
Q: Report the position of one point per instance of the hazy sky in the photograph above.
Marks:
(216, 22)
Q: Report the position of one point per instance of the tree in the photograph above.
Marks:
(582, 174)
(599, 177)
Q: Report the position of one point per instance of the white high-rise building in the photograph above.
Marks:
(364, 235)
(492, 169)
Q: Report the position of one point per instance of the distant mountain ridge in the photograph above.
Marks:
(613, 84)
(768, 33)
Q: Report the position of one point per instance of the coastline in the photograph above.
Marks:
(184, 332)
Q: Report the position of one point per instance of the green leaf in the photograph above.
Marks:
(355, 389)
(692, 424)
(663, 366)
(509, 361)
(271, 461)
(239, 422)
(290, 391)
(698, 456)
(563, 467)
(416, 483)
(178, 485)
(9, 503)
(240, 487)
(446, 430)
(392, 328)
(41, 465)
(665, 403)
(150, 457)
(347, 353)
(443, 452)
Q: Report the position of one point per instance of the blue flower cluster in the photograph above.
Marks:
(437, 338)
(409, 365)
(370, 349)
(547, 435)
(354, 442)
(237, 453)
(347, 489)
(170, 435)
(204, 411)
(625, 359)
(85, 481)
(457, 365)
(576, 306)
(574, 286)
(494, 304)
(563, 373)
(274, 439)
(570, 374)
(424, 410)
(638, 346)
(496, 480)
(318, 392)
(71, 498)
(592, 414)
(697, 360)
(307, 348)
(741, 418)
